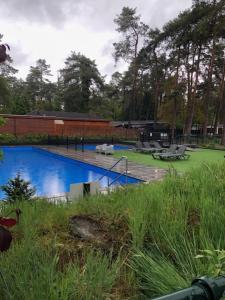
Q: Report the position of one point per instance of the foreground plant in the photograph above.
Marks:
(155, 233)
(215, 259)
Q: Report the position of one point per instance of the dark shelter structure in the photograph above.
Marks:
(148, 129)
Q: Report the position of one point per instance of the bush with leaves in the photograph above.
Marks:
(18, 189)
(2, 122)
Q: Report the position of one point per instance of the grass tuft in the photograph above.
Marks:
(154, 234)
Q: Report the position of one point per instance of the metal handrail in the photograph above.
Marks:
(122, 174)
(113, 166)
(204, 288)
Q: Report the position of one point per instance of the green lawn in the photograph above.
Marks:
(196, 159)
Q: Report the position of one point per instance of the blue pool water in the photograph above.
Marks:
(92, 147)
(50, 173)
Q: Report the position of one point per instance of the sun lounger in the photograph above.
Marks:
(138, 146)
(176, 155)
(171, 149)
(151, 148)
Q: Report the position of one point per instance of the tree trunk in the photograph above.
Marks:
(174, 120)
(209, 90)
(223, 135)
(133, 107)
(156, 96)
(222, 102)
(192, 100)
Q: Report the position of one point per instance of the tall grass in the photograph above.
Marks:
(191, 218)
(31, 272)
(160, 228)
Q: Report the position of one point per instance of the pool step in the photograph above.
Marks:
(79, 190)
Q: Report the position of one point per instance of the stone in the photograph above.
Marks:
(86, 228)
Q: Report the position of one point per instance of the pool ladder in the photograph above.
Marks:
(123, 158)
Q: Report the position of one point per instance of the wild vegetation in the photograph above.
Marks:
(175, 74)
(160, 235)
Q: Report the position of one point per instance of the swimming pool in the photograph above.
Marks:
(50, 173)
(92, 147)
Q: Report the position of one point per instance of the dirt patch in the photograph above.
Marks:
(88, 229)
(99, 232)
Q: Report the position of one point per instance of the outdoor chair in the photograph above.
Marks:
(147, 145)
(138, 146)
(172, 149)
(108, 149)
(146, 148)
(156, 144)
(105, 149)
(176, 155)
(99, 148)
(155, 147)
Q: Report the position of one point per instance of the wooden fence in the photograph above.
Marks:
(20, 126)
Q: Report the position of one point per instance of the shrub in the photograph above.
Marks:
(10, 139)
(7, 138)
(18, 189)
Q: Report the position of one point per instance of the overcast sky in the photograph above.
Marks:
(51, 29)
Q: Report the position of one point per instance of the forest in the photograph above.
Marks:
(175, 74)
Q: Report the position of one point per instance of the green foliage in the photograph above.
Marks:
(31, 272)
(175, 74)
(18, 189)
(81, 83)
(47, 265)
(151, 267)
(174, 218)
(4, 93)
(7, 138)
(128, 23)
(19, 100)
(98, 274)
(215, 258)
(162, 227)
(39, 90)
(133, 31)
(29, 139)
(2, 121)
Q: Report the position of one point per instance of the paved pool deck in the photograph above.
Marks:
(139, 171)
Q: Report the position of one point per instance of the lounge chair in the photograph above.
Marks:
(175, 155)
(155, 147)
(138, 146)
(147, 145)
(171, 149)
(156, 144)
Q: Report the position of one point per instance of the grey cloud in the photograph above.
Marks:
(95, 14)
(160, 12)
(48, 11)
(99, 14)
(19, 56)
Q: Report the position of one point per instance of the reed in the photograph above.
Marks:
(162, 228)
